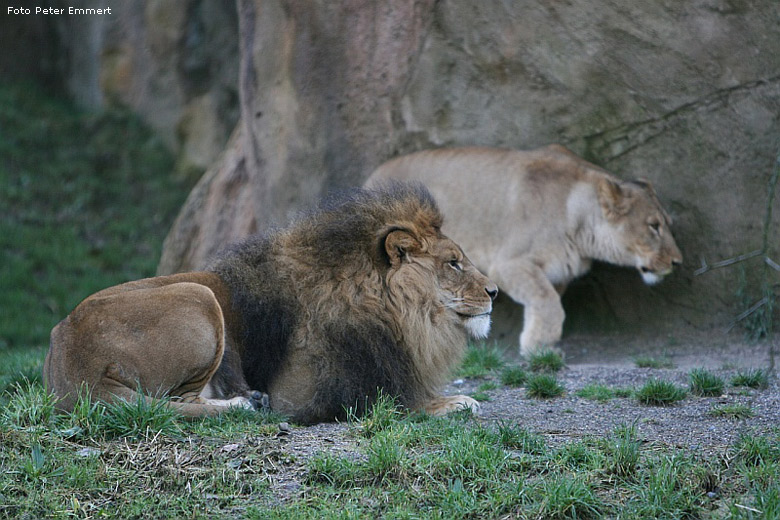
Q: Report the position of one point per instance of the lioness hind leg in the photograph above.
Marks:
(445, 404)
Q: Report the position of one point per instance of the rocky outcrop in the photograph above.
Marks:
(174, 62)
(684, 94)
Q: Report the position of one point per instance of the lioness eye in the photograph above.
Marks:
(655, 226)
(455, 265)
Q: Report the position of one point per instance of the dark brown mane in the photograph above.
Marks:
(325, 274)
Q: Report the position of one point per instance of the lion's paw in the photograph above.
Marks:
(447, 404)
(259, 400)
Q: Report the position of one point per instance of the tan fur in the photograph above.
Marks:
(164, 336)
(396, 290)
(534, 220)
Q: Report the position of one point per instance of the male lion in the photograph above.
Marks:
(535, 220)
(364, 294)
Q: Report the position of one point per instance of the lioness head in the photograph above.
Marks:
(641, 228)
(461, 292)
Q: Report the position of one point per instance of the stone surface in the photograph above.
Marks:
(684, 94)
(174, 62)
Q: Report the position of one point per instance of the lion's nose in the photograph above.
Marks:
(492, 292)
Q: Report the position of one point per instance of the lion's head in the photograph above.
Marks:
(398, 226)
(431, 266)
(641, 236)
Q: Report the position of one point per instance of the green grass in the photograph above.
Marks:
(602, 393)
(86, 202)
(545, 361)
(543, 386)
(140, 461)
(732, 411)
(481, 360)
(704, 383)
(513, 376)
(622, 452)
(751, 378)
(657, 392)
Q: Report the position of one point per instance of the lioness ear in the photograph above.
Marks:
(399, 243)
(647, 185)
(613, 198)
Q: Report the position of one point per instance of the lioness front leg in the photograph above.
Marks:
(445, 404)
(543, 313)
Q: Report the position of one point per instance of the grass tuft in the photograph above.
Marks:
(657, 392)
(481, 360)
(544, 386)
(382, 414)
(754, 450)
(567, 497)
(732, 411)
(622, 450)
(515, 437)
(30, 406)
(704, 383)
(513, 376)
(753, 378)
(545, 361)
(142, 418)
(602, 393)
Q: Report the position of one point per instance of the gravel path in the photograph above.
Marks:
(687, 425)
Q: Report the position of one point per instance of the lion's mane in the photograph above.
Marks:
(325, 285)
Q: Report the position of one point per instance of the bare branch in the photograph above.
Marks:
(723, 263)
(753, 308)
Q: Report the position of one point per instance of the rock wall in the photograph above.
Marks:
(174, 62)
(685, 94)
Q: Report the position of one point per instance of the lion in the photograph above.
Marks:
(533, 221)
(363, 295)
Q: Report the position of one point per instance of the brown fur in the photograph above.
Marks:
(535, 220)
(364, 294)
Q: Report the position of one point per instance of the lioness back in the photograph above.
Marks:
(535, 220)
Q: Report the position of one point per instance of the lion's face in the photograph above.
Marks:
(642, 228)
(460, 290)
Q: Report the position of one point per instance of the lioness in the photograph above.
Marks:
(535, 220)
(364, 294)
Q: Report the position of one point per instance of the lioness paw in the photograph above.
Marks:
(446, 404)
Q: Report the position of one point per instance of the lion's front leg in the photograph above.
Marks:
(543, 313)
(452, 403)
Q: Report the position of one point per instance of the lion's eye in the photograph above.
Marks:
(455, 265)
(656, 227)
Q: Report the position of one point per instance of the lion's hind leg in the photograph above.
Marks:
(162, 341)
(115, 386)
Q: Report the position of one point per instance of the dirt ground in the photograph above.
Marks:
(611, 361)
(688, 425)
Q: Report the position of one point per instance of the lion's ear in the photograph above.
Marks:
(399, 243)
(613, 198)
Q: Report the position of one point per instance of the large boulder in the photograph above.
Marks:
(684, 94)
